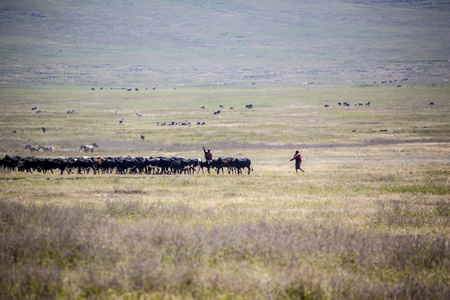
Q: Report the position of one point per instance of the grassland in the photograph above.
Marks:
(368, 219)
(184, 43)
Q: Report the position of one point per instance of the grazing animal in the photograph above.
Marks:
(120, 121)
(34, 108)
(217, 112)
(249, 106)
(87, 148)
(46, 148)
(43, 129)
(142, 137)
(33, 148)
(243, 163)
(202, 107)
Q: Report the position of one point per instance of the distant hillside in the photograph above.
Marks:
(237, 42)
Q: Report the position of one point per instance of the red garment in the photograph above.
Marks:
(298, 160)
(208, 156)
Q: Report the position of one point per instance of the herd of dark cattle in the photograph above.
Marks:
(125, 165)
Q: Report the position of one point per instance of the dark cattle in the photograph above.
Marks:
(326, 105)
(230, 164)
(126, 165)
(180, 166)
(142, 137)
(147, 166)
(56, 163)
(249, 106)
(204, 164)
(43, 129)
(34, 108)
(431, 103)
(50, 164)
(163, 164)
(82, 164)
(30, 164)
(218, 164)
(242, 164)
(10, 162)
(217, 112)
(107, 165)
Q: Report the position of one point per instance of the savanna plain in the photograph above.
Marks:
(368, 219)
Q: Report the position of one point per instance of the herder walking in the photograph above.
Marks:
(298, 161)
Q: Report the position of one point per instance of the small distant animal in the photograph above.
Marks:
(87, 148)
(217, 112)
(142, 137)
(34, 108)
(32, 148)
(43, 129)
(120, 121)
(202, 107)
(46, 148)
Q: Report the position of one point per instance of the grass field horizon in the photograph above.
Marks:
(368, 219)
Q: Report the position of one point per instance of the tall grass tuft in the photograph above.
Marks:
(123, 247)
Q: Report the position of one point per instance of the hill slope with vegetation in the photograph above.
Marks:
(192, 42)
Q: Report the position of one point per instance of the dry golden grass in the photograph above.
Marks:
(369, 217)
